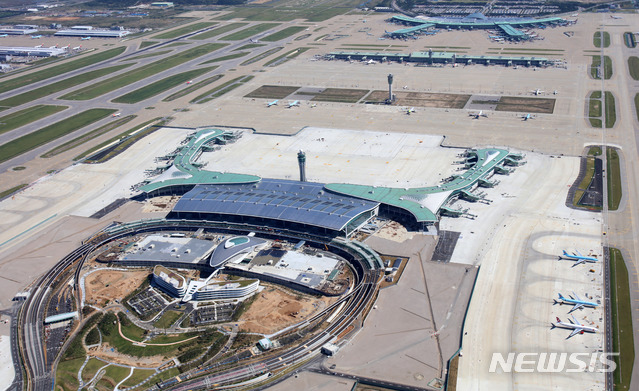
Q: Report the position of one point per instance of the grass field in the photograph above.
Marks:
(310, 10)
(26, 116)
(162, 85)
(41, 92)
(622, 331)
(58, 70)
(183, 30)
(261, 56)
(526, 105)
(153, 54)
(193, 87)
(221, 90)
(126, 141)
(343, 95)
(218, 31)
(249, 32)
(422, 99)
(595, 109)
(610, 107)
(587, 179)
(225, 58)
(138, 376)
(12, 190)
(272, 92)
(52, 132)
(285, 33)
(286, 56)
(633, 67)
(249, 46)
(596, 63)
(613, 168)
(145, 44)
(597, 41)
(629, 40)
(140, 73)
(87, 136)
(66, 375)
(167, 319)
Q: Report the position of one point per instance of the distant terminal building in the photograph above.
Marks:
(31, 51)
(20, 29)
(235, 249)
(162, 4)
(432, 57)
(508, 27)
(89, 31)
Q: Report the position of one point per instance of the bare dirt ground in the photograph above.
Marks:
(103, 286)
(160, 204)
(276, 309)
(105, 353)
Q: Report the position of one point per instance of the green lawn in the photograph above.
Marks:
(585, 182)
(142, 72)
(138, 376)
(12, 190)
(607, 67)
(183, 30)
(87, 136)
(221, 90)
(26, 116)
(152, 54)
(286, 56)
(261, 56)
(629, 40)
(596, 39)
(611, 111)
(66, 375)
(112, 376)
(193, 87)
(615, 191)
(58, 70)
(160, 86)
(225, 58)
(145, 44)
(249, 46)
(167, 319)
(218, 31)
(622, 331)
(633, 67)
(249, 32)
(49, 133)
(310, 10)
(52, 88)
(284, 33)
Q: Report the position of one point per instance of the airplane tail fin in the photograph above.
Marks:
(565, 253)
(561, 296)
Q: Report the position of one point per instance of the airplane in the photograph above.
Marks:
(36, 36)
(313, 105)
(616, 17)
(477, 115)
(537, 92)
(85, 38)
(3, 35)
(116, 114)
(254, 40)
(555, 92)
(577, 328)
(189, 82)
(77, 47)
(576, 302)
(274, 103)
(294, 103)
(409, 111)
(369, 62)
(38, 46)
(65, 47)
(578, 258)
(528, 116)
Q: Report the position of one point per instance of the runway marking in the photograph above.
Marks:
(403, 331)
(410, 312)
(421, 362)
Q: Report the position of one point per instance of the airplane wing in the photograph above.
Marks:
(576, 297)
(576, 321)
(579, 262)
(576, 307)
(576, 331)
(579, 253)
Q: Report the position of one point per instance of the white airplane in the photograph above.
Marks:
(537, 92)
(77, 47)
(292, 104)
(478, 114)
(189, 82)
(370, 62)
(274, 103)
(409, 111)
(85, 38)
(116, 114)
(3, 35)
(578, 258)
(616, 17)
(555, 92)
(38, 46)
(528, 116)
(576, 302)
(313, 105)
(36, 36)
(65, 47)
(576, 327)
(254, 40)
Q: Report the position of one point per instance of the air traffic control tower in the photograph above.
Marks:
(390, 88)
(301, 159)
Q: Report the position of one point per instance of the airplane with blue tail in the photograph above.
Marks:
(578, 258)
(576, 302)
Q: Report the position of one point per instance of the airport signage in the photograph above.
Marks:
(552, 362)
